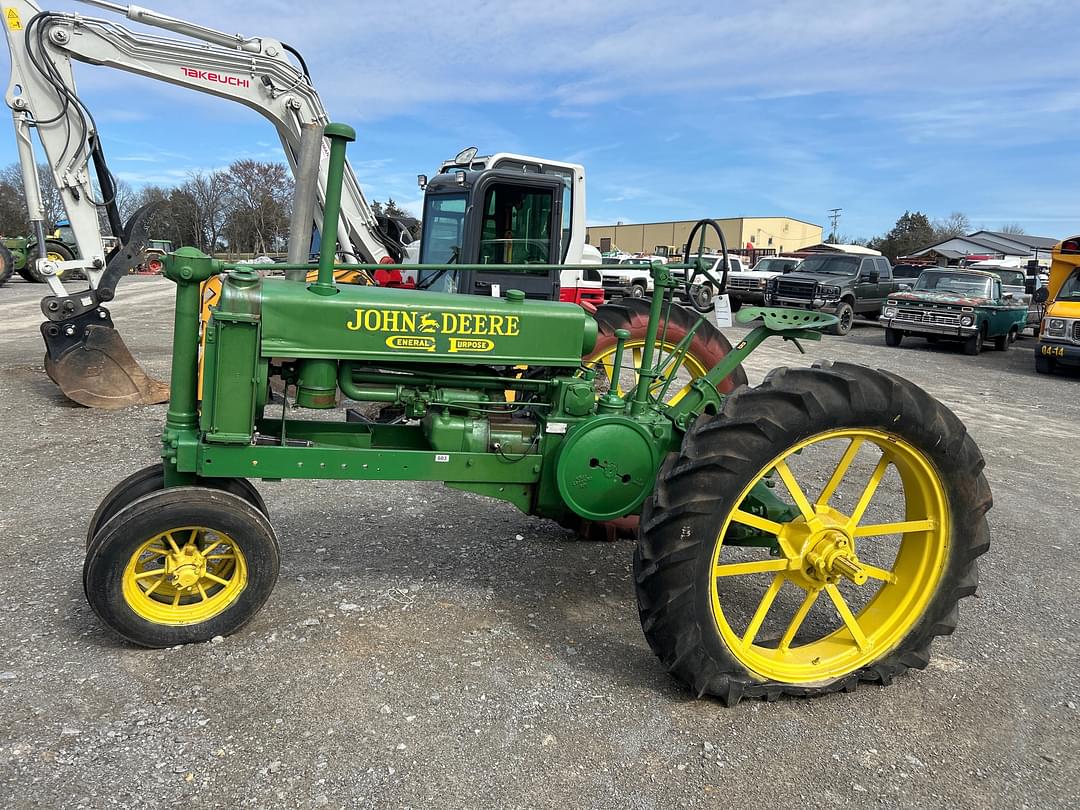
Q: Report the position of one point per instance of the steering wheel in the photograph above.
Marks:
(698, 269)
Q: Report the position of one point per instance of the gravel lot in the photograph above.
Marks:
(428, 648)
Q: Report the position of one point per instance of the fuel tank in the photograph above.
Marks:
(383, 325)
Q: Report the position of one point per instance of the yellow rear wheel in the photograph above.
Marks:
(819, 558)
(817, 533)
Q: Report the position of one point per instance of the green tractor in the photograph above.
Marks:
(798, 537)
(59, 247)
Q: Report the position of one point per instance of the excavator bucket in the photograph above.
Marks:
(85, 355)
(100, 372)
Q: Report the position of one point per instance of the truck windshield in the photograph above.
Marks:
(834, 265)
(1010, 278)
(957, 283)
(1070, 290)
(444, 228)
(776, 265)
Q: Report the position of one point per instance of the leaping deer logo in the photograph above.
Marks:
(428, 324)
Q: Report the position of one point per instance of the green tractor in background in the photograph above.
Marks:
(20, 253)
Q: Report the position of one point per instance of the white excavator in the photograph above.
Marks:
(469, 206)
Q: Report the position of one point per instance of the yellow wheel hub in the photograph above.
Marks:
(819, 556)
(690, 367)
(184, 576)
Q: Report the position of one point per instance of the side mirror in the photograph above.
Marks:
(1041, 295)
(1008, 296)
(872, 277)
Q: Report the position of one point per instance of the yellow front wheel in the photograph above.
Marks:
(181, 565)
(832, 516)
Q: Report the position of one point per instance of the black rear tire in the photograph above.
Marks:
(59, 249)
(118, 543)
(152, 479)
(893, 337)
(698, 488)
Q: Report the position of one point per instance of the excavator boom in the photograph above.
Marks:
(85, 355)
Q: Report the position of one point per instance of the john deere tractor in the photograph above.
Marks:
(797, 537)
(60, 246)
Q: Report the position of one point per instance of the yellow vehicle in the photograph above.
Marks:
(1059, 338)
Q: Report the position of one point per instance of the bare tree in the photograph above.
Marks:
(955, 224)
(258, 219)
(210, 199)
(16, 219)
(1014, 228)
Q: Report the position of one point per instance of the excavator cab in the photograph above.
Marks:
(484, 220)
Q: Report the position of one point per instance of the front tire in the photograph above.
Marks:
(845, 315)
(181, 566)
(1044, 365)
(973, 345)
(637, 291)
(893, 337)
(152, 479)
(688, 578)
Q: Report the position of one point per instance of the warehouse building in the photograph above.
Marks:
(764, 235)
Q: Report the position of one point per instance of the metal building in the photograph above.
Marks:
(761, 234)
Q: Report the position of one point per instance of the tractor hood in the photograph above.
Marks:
(939, 298)
(376, 324)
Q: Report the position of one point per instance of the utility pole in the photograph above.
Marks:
(834, 215)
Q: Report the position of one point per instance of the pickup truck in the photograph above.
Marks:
(703, 293)
(748, 286)
(842, 284)
(955, 304)
(629, 278)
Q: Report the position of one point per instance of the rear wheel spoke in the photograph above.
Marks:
(756, 522)
(841, 470)
(868, 493)
(900, 527)
(848, 617)
(762, 610)
(798, 619)
(878, 573)
(754, 567)
(788, 477)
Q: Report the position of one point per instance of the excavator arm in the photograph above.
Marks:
(254, 71)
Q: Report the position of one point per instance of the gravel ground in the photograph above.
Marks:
(428, 648)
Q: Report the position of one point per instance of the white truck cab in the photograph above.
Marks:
(630, 277)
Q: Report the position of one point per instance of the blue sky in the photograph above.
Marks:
(678, 110)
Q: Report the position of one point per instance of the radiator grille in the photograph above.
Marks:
(935, 316)
(795, 289)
